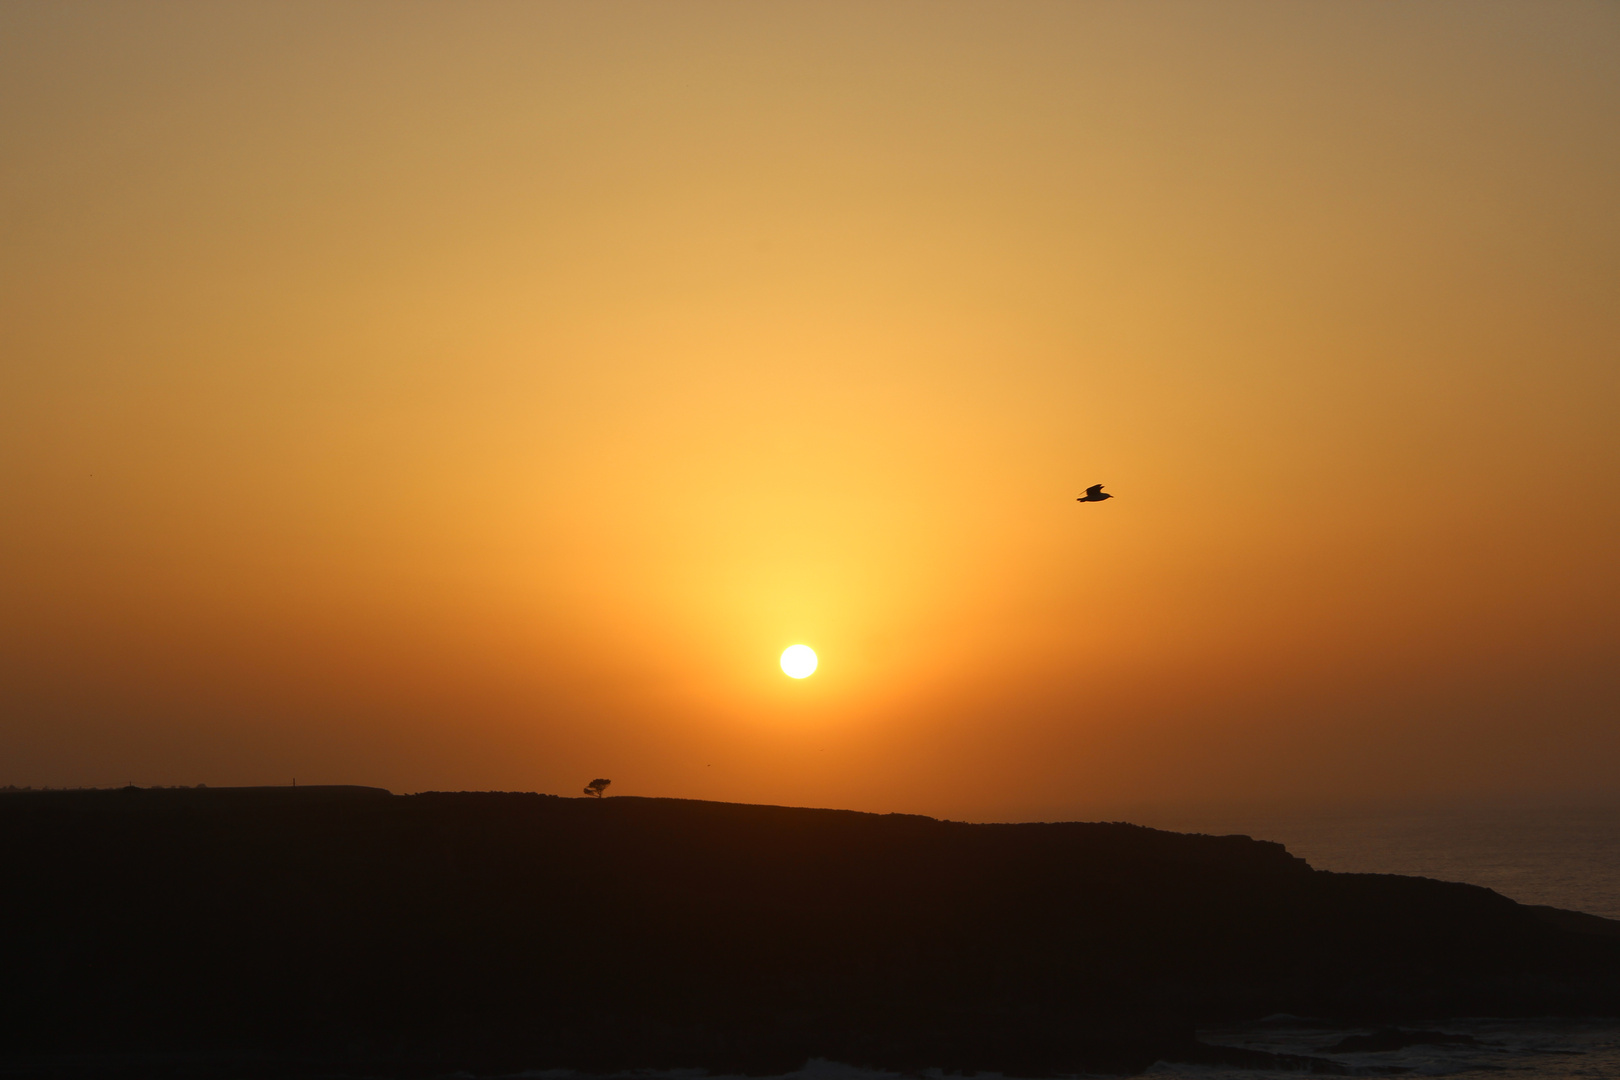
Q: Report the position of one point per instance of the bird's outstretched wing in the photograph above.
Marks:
(1093, 491)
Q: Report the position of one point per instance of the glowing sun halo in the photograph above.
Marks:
(798, 661)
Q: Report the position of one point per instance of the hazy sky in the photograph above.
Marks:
(482, 395)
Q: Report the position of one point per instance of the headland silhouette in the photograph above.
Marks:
(349, 931)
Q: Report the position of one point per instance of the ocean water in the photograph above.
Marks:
(1565, 856)
(1500, 1050)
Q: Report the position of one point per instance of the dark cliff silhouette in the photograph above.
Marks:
(350, 931)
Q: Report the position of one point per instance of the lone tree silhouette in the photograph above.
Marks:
(596, 787)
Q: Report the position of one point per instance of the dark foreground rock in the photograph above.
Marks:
(349, 931)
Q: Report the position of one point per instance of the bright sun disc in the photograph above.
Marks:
(798, 660)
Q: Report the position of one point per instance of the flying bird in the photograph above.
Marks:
(1094, 493)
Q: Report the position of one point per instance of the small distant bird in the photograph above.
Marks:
(1094, 493)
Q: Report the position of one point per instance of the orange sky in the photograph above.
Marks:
(482, 395)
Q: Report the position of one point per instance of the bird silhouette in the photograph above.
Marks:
(1094, 493)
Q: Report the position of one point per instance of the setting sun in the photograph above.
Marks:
(574, 354)
(414, 414)
(799, 661)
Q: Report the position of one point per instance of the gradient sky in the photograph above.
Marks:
(482, 395)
